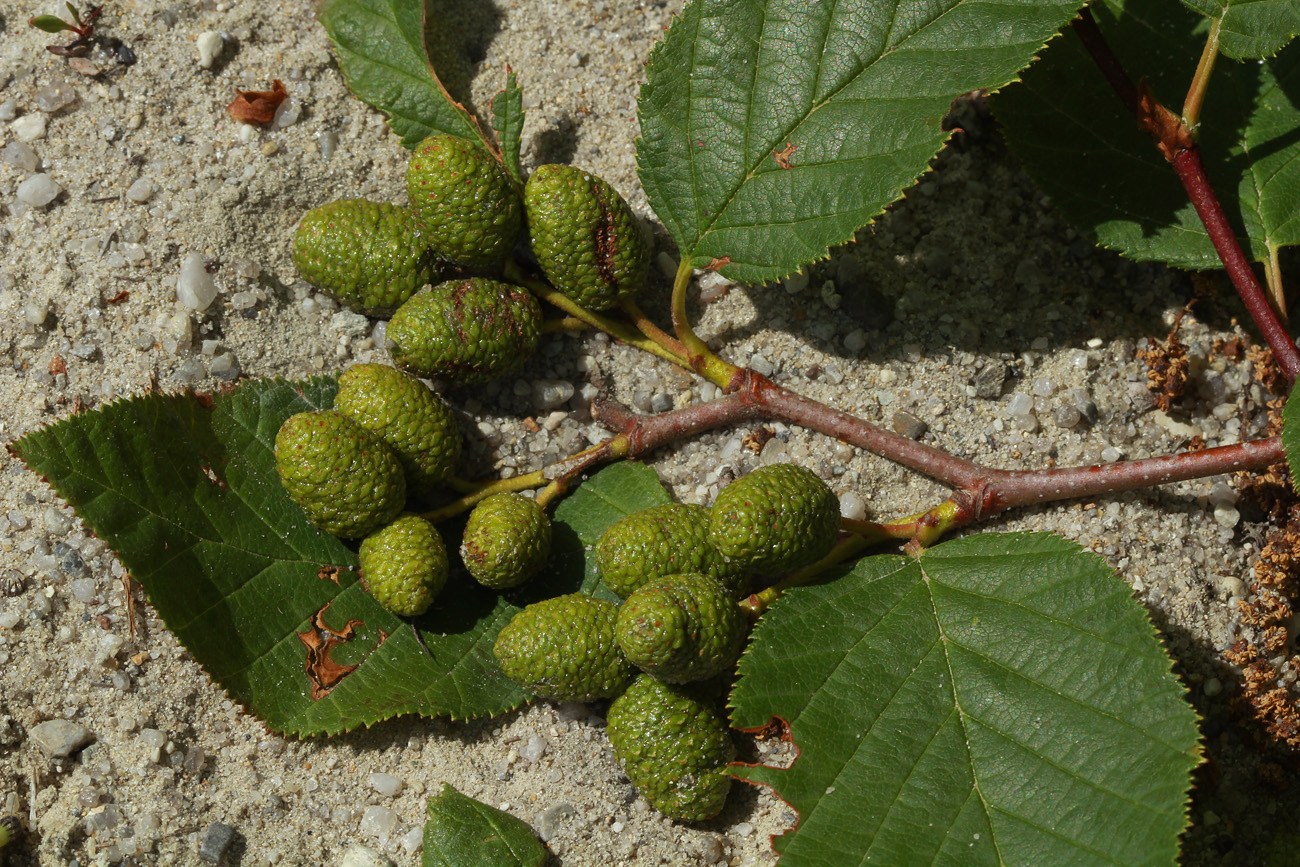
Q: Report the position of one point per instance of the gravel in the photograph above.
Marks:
(931, 314)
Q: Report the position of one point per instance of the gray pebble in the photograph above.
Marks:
(225, 366)
(988, 382)
(58, 738)
(661, 403)
(548, 822)
(216, 841)
(20, 156)
(141, 191)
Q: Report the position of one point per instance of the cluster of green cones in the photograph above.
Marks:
(666, 654)
(352, 467)
(434, 266)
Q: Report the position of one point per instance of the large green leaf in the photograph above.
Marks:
(384, 51)
(1000, 700)
(184, 489)
(774, 129)
(1080, 145)
(1251, 28)
(463, 832)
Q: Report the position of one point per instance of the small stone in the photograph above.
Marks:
(226, 367)
(852, 506)
(760, 365)
(1020, 404)
(548, 823)
(209, 45)
(20, 156)
(385, 784)
(661, 403)
(363, 856)
(744, 829)
(533, 748)
(55, 96)
(378, 822)
(57, 521)
(989, 381)
(909, 425)
(8, 109)
(195, 287)
(1212, 687)
(548, 394)
(29, 127)
(328, 143)
(59, 738)
(413, 840)
(38, 191)
(350, 324)
(141, 191)
(1226, 515)
(287, 113)
(216, 840)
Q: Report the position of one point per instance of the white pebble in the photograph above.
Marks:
(413, 840)
(209, 45)
(1226, 515)
(141, 191)
(195, 287)
(363, 856)
(29, 127)
(852, 506)
(287, 114)
(1020, 404)
(550, 393)
(38, 191)
(385, 784)
(378, 822)
(20, 156)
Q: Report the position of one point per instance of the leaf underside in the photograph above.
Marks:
(1251, 28)
(1001, 700)
(1079, 144)
(384, 52)
(184, 489)
(775, 129)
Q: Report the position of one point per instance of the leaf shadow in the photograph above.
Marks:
(457, 36)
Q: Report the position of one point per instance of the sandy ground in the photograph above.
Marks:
(150, 169)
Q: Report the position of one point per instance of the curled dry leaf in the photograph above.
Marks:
(257, 106)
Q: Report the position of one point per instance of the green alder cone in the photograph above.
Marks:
(681, 628)
(467, 204)
(507, 540)
(564, 649)
(466, 331)
(776, 519)
(663, 540)
(408, 417)
(673, 747)
(404, 565)
(347, 481)
(368, 256)
(585, 237)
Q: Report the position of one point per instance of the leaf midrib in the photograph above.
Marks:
(752, 170)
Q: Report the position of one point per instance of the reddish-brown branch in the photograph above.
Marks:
(981, 491)
(1191, 172)
(1176, 142)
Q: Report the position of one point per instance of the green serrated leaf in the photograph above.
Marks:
(1251, 28)
(386, 49)
(775, 129)
(185, 490)
(508, 121)
(463, 832)
(49, 23)
(1291, 436)
(1080, 145)
(1000, 700)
